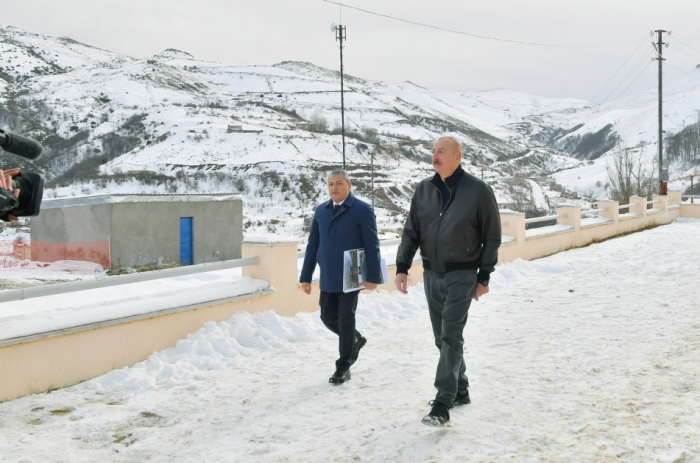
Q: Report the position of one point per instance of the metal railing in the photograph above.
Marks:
(62, 288)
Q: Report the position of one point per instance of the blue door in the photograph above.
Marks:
(186, 257)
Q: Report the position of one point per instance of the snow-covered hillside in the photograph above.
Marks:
(173, 123)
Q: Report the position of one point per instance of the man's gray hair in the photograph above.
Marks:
(345, 175)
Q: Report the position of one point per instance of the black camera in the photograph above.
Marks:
(31, 185)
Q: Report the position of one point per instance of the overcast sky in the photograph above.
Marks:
(269, 31)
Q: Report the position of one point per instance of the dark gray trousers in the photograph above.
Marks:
(449, 296)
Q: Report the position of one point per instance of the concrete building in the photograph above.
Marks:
(121, 231)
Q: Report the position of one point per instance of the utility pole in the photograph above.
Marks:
(340, 35)
(663, 173)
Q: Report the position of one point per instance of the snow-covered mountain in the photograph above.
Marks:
(173, 123)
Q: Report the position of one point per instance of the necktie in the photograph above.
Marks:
(336, 207)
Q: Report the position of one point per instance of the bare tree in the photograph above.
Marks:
(319, 122)
(627, 176)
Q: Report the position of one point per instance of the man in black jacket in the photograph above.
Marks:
(455, 222)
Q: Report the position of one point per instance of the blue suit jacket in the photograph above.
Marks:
(354, 226)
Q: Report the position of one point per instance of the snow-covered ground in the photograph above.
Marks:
(61, 311)
(587, 355)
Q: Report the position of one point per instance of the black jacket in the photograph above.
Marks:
(465, 234)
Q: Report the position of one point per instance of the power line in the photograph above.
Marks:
(634, 68)
(676, 38)
(681, 50)
(486, 37)
(623, 65)
(690, 75)
(645, 68)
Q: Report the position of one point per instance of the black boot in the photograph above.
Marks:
(438, 416)
(339, 377)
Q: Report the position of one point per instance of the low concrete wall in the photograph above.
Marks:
(61, 360)
(573, 231)
(690, 210)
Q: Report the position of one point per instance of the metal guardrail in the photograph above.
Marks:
(62, 288)
(626, 206)
(653, 201)
(546, 218)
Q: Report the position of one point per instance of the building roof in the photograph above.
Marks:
(90, 200)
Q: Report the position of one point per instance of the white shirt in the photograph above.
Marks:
(339, 204)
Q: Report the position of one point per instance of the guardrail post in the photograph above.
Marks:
(674, 198)
(662, 202)
(573, 215)
(516, 225)
(638, 205)
(278, 266)
(613, 210)
(278, 262)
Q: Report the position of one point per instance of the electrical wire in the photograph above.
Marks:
(676, 38)
(486, 37)
(630, 84)
(623, 65)
(634, 68)
(681, 50)
(689, 75)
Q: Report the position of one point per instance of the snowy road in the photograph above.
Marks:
(588, 355)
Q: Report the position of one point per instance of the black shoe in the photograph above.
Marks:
(358, 345)
(462, 398)
(438, 416)
(339, 377)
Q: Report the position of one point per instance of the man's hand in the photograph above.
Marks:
(480, 290)
(6, 179)
(306, 287)
(370, 286)
(401, 282)
(6, 183)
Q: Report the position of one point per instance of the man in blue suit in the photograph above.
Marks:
(341, 224)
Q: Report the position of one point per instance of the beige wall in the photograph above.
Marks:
(530, 247)
(61, 361)
(64, 360)
(67, 359)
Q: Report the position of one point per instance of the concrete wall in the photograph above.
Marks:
(73, 224)
(148, 233)
(141, 230)
(532, 244)
(62, 360)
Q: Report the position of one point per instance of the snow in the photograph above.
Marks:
(594, 221)
(42, 314)
(567, 361)
(547, 231)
